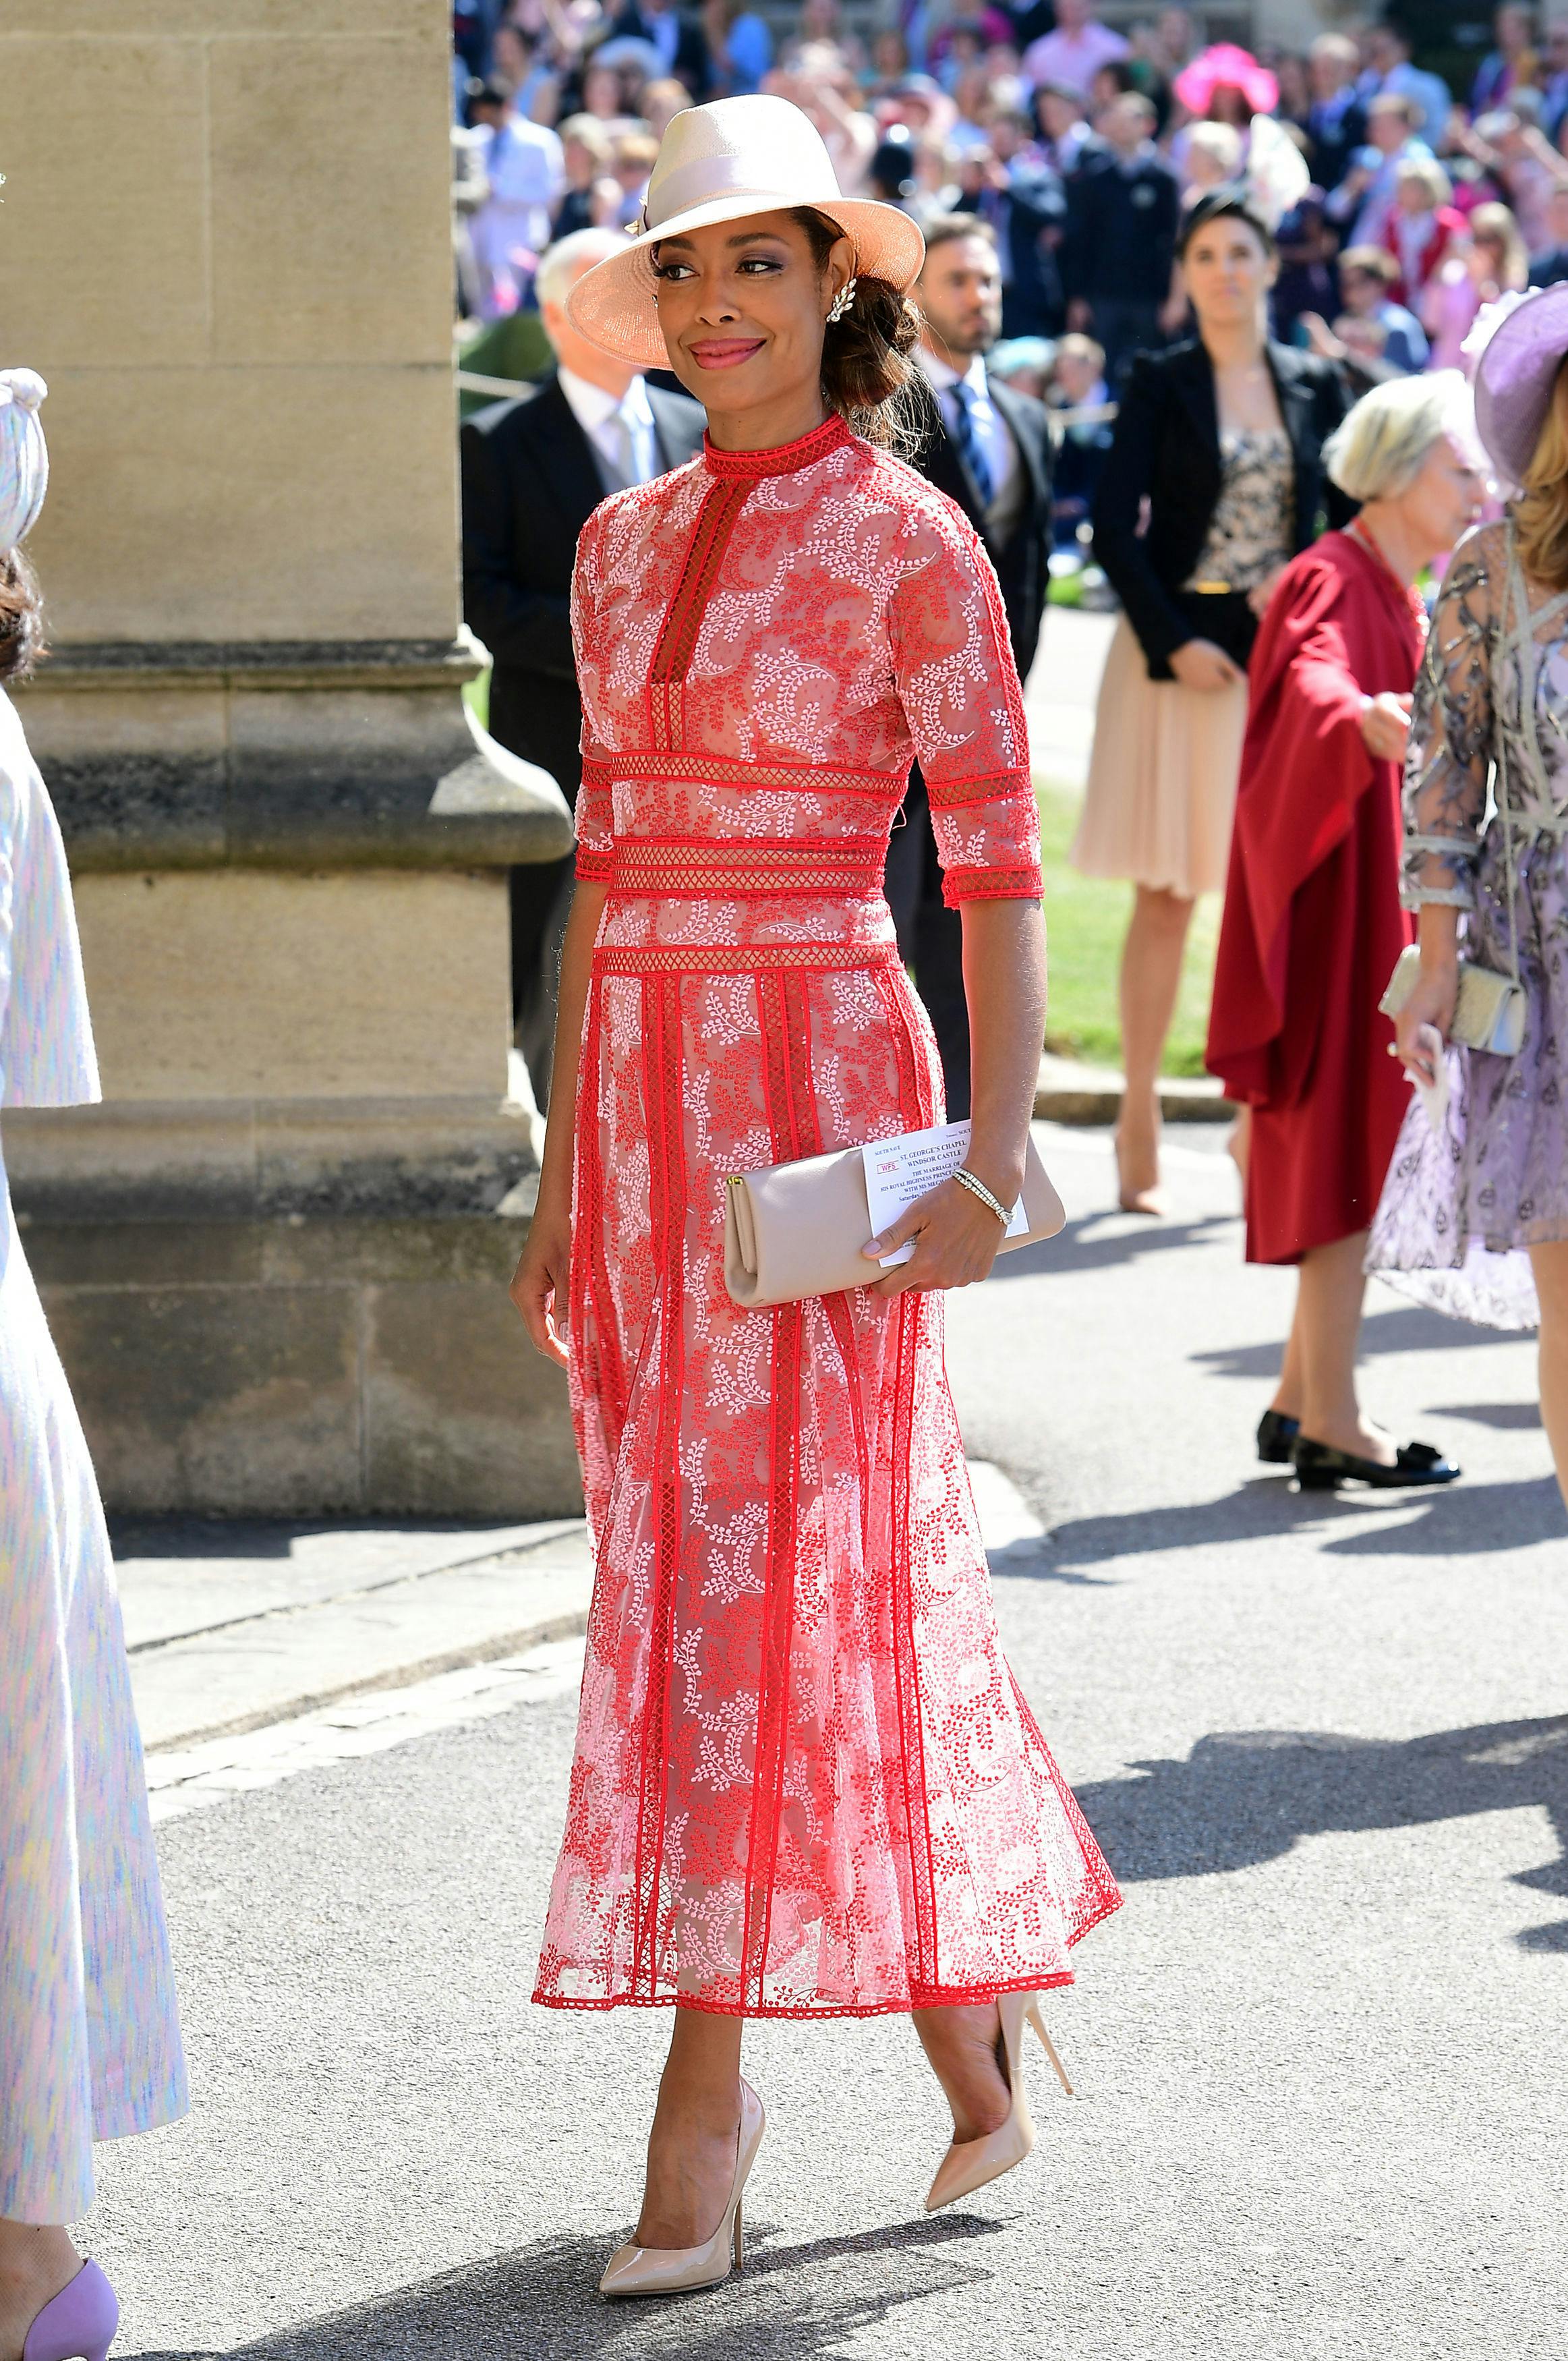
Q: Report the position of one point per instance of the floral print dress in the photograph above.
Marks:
(1462, 1205)
(89, 2040)
(805, 1782)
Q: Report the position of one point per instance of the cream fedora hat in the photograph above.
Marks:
(719, 163)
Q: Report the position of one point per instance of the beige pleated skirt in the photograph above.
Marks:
(1162, 777)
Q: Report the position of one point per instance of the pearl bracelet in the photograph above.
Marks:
(966, 1180)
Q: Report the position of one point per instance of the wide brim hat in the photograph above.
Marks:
(1226, 66)
(725, 162)
(1517, 353)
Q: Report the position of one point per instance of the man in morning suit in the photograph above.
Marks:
(989, 449)
(533, 471)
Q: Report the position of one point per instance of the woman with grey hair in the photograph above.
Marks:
(1312, 922)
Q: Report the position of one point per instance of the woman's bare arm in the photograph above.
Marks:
(539, 1286)
(956, 1235)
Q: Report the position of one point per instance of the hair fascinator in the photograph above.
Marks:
(23, 454)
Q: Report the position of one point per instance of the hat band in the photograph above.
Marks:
(683, 191)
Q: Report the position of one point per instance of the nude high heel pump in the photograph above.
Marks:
(670, 2270)
(79, 2324)
(969, 2164)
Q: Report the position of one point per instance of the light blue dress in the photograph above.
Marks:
(89, 2037)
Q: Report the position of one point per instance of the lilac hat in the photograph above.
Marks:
(1515, 349)
(24, 456)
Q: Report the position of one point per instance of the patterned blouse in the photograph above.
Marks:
(1250, 533)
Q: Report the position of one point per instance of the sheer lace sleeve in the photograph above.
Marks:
(594, 817)
(958, 686)
(1452, 733)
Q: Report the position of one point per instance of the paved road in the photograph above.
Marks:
(1321, 2052)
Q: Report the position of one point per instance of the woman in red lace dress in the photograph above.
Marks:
(806, 1783)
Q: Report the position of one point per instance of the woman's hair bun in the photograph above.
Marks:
(867, 374)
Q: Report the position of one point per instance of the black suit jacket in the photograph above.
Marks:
(1120, 231)
(1166, 449)
(530, 484)
(1022, 561)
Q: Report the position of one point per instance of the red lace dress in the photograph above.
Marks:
(806, 1783)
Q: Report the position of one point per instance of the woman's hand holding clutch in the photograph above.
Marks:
(956, 1240)
(1422, 1025)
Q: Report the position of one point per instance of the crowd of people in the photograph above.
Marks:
(1401, 207)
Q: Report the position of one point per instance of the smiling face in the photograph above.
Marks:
(1226, 273)
(744, 307)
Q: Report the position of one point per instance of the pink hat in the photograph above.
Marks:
(1520, 350)
(1226, 67)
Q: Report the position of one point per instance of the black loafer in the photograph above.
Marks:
(1275, 1434)
(1321, 1468)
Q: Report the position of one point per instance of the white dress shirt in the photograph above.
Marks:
(991, 431)
(621, 431)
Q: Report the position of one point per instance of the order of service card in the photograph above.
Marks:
(899, 1171)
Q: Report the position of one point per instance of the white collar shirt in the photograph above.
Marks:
(621, 433)
(991, 431)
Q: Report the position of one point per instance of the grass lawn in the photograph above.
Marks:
(1086, 918)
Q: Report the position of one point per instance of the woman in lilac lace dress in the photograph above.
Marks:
(1474, 1218)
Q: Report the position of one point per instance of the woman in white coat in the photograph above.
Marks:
(89, 2040)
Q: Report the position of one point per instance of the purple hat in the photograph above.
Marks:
(1518, 347)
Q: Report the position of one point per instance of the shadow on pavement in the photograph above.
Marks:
(1074, 1249)
(1462, 1521)
(1497, 1414)
(541, 2301)
(1243, 1797)
(1408, 1330)
(262, 1537)
(1469, 1521)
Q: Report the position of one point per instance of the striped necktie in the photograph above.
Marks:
(966, 440)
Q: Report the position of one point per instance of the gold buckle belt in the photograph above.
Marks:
(1215, 589)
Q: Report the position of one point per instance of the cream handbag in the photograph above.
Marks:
(1487, 1015)
(797, 1229)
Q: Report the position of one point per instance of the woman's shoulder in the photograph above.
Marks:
(1478, 569)
(929, 524)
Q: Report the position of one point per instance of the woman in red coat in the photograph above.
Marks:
(1314, 925)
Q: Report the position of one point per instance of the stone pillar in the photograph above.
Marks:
(276, 1258)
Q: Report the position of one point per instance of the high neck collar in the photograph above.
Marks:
(784, 458)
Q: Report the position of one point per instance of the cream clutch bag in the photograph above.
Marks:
(1489, 1013)
(797, 1229)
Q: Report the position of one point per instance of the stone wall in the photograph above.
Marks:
(276, 1258)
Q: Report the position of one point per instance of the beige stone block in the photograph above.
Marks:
(236, 983)
(462, 1416)
(103, 262)
(238, 1399)
(245, 19)
(330, 173)
(125, 722)
(233, 504)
